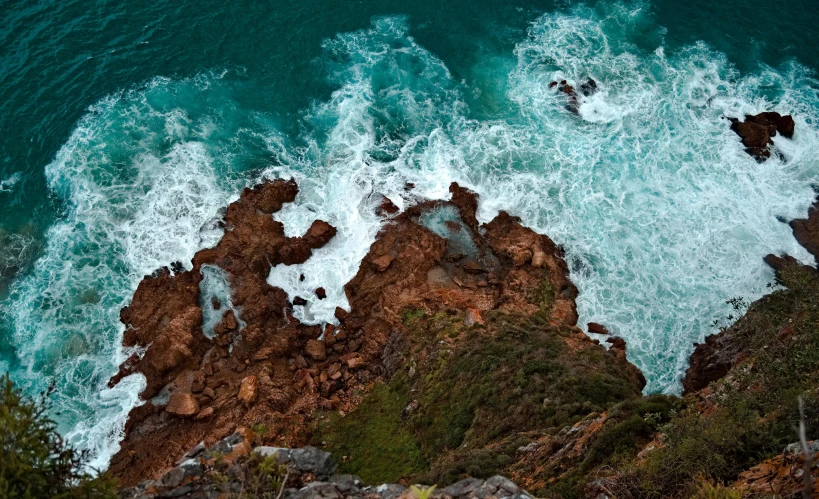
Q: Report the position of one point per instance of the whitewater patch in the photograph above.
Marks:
(8, 183)
(663, 216)
(139, 183)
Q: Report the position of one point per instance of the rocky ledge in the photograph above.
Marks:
(458, 363)
(496, 295)
(232, 467)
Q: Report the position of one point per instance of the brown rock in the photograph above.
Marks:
(182, 404)
(472, 317)
(319, 234)
(299, 301)
(316, 349)
(387, 207)
(269, 197)
(596, 328)
(249, 389)
(229, 320)
(774, 122)
(752, 134)
(382, 262)
(205, 413)
(474, 268)
(321, 293)
(354, 361)
(341, 314)
(710, 361)
(393, 277)
(806, 231)
(757, 130)
(617, 343)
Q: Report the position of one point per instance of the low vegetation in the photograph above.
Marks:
(467, 404)
(753, 413)
(34, 460)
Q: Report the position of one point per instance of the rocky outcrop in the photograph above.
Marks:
(711, 361)
(714, 359)
(233, 467)
(265, 368)
(200, 388)
(806, 231)
(758, 130)
(587, 88)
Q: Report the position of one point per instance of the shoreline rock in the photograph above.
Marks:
(757, 132)
(279, 373)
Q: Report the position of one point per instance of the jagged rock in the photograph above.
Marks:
(806, 231)
(757, 131)
(523, 273)
(387, 207)
(304, 460)
(587, 88)
(341, 314)
(617, 343)
(299, 301)
(596, 328)
(309, 476)
(319, 234)
(774, 122)
(321, 293)
(710, 361)
(205, 413)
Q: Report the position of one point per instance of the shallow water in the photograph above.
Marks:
(125, 131)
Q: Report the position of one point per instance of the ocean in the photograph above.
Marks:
(126, 127)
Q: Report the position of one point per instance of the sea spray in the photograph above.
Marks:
(139, 183)
(662, 214)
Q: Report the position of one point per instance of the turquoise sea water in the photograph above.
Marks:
(125, 127)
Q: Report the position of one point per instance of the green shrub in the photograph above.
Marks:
(34, 460)
(372, 441)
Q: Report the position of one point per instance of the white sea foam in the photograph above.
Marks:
(8, 183)
(138, 183)
(662, 213)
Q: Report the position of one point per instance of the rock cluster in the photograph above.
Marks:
(587, 88)
(758, 130)
(265, 367)
(224, 468)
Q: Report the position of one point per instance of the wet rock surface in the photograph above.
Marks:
(757, 132)
(587, 88)
(806, 231)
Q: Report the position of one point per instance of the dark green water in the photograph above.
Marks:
(125, 125)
